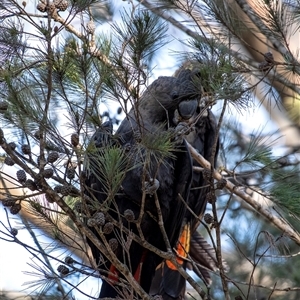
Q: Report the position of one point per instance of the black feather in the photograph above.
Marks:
(145, 123)
(169, 283)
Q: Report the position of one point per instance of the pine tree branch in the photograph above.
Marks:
(93, 50)
(89, 234)
(44, 255)
(277, 222)
(286, 289)
(239, 55)
(214, 210)
(246, 8)
(193, 34)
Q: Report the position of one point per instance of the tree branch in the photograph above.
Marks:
(276, 221)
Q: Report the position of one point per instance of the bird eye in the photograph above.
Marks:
(175, 95)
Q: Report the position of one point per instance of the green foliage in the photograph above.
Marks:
(278, 18)
(225, 15)
(82, 5)
(157, 145)
(286, 190)
(109, 164)
(135, 41)
(220, 73)
(141, 35)
(23, 99)
(12, 41)
(257, 155)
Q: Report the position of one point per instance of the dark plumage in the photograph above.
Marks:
(146, 170)
(168, 282)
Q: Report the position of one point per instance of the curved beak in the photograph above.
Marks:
(187, 108)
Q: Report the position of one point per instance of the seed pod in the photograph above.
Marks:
(108, 228)
(269, 58)
(51, 7)
(210, 198)
(208, 218)
(70, 173)
(129, 215)
(38, 135)
(221, 184)
(49, 198)
(8, 202)
(41, 7)
(26, 149)
(52, 157)
(14, 231)
(61, 4)
(3, 106)
(58, 189)
(91, 222)
(48, 173)
(63, 270)
(113, 243)
(65, 190)
(8, 161)
(15, 208)
(75, 139)
(21, 175)
(69, 260)
(90, 26)
(12, 145)
(30, 184)
(99, 218)
(207, 174)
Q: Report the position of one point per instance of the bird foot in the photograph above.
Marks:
(151, 186)
(182, 129)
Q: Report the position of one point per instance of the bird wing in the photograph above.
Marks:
(203, 139)
(127, 171)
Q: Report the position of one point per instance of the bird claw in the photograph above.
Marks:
(151, 186)
(137, 136)
(181, 130)
(103, 134)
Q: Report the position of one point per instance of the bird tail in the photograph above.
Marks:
(183, 247)
(204, 257)
(169, 283)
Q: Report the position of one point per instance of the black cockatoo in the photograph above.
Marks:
(131, 169)
(168, 282)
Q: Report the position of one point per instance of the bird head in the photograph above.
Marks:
(189, 92)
